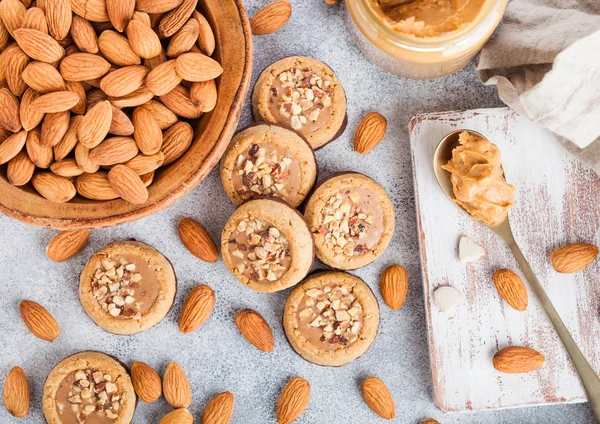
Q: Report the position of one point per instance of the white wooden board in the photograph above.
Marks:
(557, 202)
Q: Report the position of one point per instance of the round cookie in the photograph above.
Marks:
(304, 94)
(268, 160)
(267, 246)
(90, 388)
(127, 287)
(352, 220)
(331, 318)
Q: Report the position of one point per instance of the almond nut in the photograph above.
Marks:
(197, 240)
(394, 286)
(573, 257)
(39, 321)
(271, 17)
(67, 244)
(53, 187)
(378, 397)
(16, 393)
(517, 360)
(219, 409)
(198, 307)
(511, 289)
(176, 387)
(369, 133)
(146, 382)
(178, 416)
(128, 184)
(293, 400)
(255, 329)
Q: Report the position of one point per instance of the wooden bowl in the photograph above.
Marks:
(212, 135)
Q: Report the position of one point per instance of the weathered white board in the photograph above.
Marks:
(557, 202)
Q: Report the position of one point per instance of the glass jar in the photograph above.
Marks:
(420, 58)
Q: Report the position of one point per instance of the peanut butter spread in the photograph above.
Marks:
(427, 18)
(478, 180)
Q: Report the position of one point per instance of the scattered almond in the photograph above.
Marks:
(197, 308)
(16, 393)
(178, 416)
(67, 244)
(197, 240)
(369, 133)
(219, 410)
(176, 387)
(517, 360)
(271, 17)
(146, 382)
(39, 321)
(394, 286)
(176, 18)
(430, 421)
(511, 289)
(255, 329)
(573, 257)
(378, 397)
(293, 400)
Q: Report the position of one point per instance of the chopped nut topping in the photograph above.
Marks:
(259, 250)
(114, 285)
(92, 391)
(302, 96)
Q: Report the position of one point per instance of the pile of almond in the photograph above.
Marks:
(95, 94)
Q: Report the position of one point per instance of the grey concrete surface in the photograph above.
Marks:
(216, 357)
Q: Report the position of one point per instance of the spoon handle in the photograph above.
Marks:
(588, 377)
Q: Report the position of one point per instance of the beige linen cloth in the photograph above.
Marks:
(545, 61)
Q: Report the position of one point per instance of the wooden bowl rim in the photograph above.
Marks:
(212, 159)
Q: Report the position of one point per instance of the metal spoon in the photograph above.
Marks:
(589, 379)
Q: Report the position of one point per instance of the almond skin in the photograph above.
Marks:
(35, 19)
(146, 133)
(9, 111)
(115, 47)
(163, 78)
(176, 18)
(271, 17)
(124, 81)
(69, 140)
(143, 164)
(293, 400)
(573, 257)
(128, 184)
(29, 117)
(255, 329)
(204, 95)
(163, 115)
(83, 67)
(95, 124)
(39, 46)
(16, 393)
(178, 101)
(92, 10)
(394, 286)
(39, 321)
(66, 168)
(176, 387)
(197, 67)
(14, 64)
(53, 187)
(369, 133)
(43, 77)
(12, 12)
(176, 141)
(40, 155)
(197, 309)
(511, 289)
(58, 101)
(517, 360)
(83, 35)
(184, 39)
(143, 40)
(58, 15)
(96, 186)
(12, 146)
(120, 12)
(20, 169)
(146, 382)
(197, 240)
(54, 128)
(178, 416)
(67, 244)
(206, 36)
(378, 397)
(114, 150)
(157, 6)
(219, 410)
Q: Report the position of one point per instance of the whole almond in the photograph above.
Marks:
(197, 67)
(12, 146)
(271, 17)
(137, 98)
(67, 244)
(184, 39)
(92, 10)
(219, 410)
(517, 360)
(178, 416)
(40, 155)
(14, 64)
(4, 34)
(12, 13)
(43, 77)
(378, 397)
(16, 393)
(176, 18)
(120, 123)
(198, 307)
(69, 140)
(146, 382)
(84, 35)
(197, 240)
(142, 17)
(153, 62)
(573, 257)
(147, 178)
(83, 67)
(82, 157)
(53, 187)
(58, 101)
(157, 6)
(176, 387)
(120, 12)
(128, 184)
(394, 286)
(39, 46)
(115, 47)
(369, 133)
(124, 81)
(77, 88)
(176, 141)
(66, 168)
(163, 78)
(430, 421)
(511, 289)
(179, 102)
(143, 40)
(20, 169)
(255, 329)
(147, 133)
(9, 111)
(162, 114)
(143, 164)
(54, 128)
(58, 15)
(114, 150)
(29, 117)
(293, 400)
(204, 95)
(39, 321)
(96, 186)
(35, 19)
(95, 124)
(206, 36)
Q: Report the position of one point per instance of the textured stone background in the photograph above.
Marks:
(217, 358)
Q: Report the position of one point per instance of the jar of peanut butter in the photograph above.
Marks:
(423, 38)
